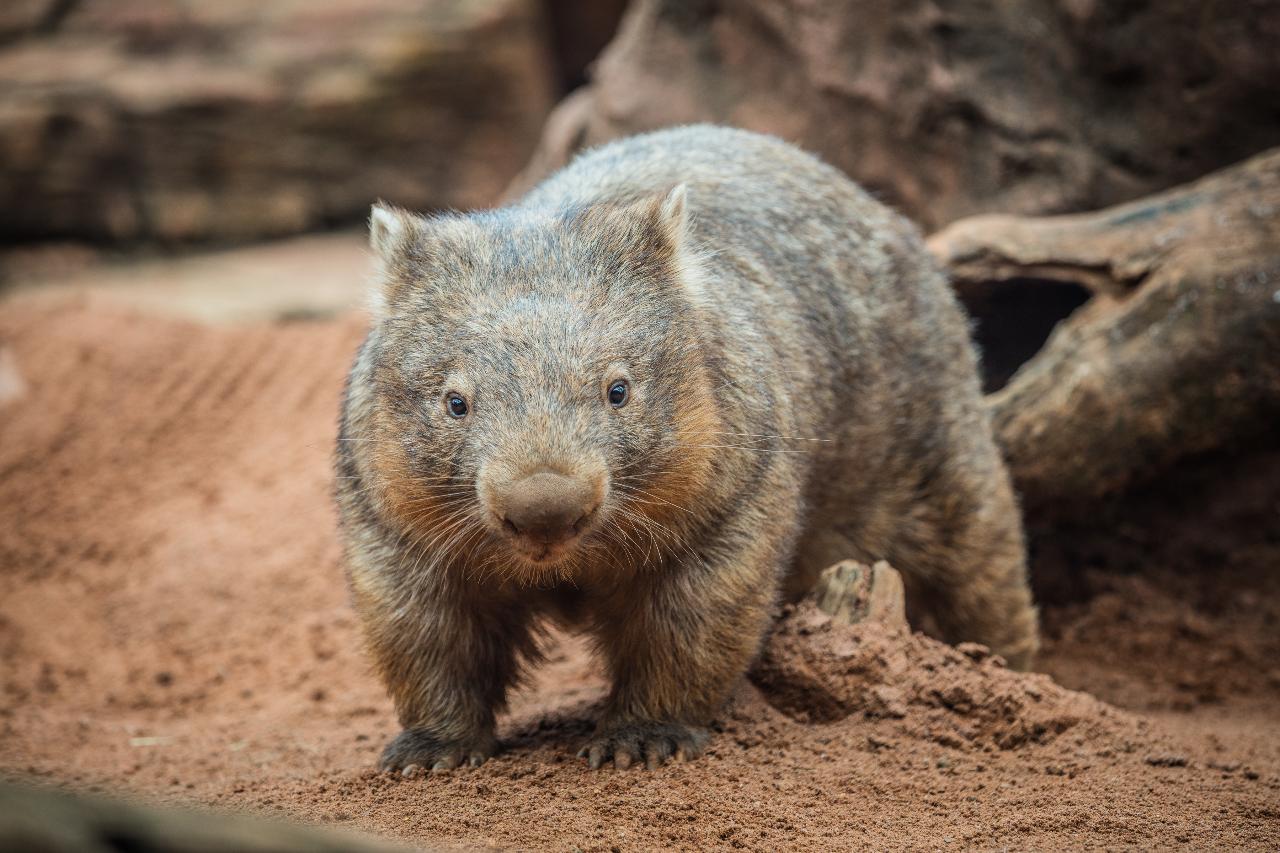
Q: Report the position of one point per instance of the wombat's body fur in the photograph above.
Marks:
(799, 388)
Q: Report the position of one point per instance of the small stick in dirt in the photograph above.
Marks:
(852, 592)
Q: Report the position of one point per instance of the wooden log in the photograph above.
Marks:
(1178, 351)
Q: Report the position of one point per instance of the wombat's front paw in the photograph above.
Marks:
(414, 751)
(652, 743)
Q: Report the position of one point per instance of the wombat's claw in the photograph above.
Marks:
(413, 752)
(650, 744)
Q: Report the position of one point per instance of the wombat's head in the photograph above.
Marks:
(541, 402)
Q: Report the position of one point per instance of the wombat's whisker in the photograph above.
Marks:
(443, 543)
(648, 522)
(643, 474)
(484, 569)
(429, 502)
(647, 475)
(668, 535)
(369, 487)
(750, 442)
(434, 531)
(763, 435)
(657, 531)
(427, 498)
(419, 543)
(638, 490)
(652, 547)
(469, 541)
(741, 447)
(460, 494)
(629, 544)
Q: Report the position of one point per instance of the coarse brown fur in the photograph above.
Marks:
(802, 389)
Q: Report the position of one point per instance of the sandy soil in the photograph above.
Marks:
(315, 275)
(173, 623)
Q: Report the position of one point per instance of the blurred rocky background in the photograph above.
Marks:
(946, 109)
(127, 121)
(133, 120)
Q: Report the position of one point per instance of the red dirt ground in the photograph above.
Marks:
(173, 623)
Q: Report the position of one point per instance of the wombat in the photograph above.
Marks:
(649, 400)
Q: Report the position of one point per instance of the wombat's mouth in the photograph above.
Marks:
(544, 547)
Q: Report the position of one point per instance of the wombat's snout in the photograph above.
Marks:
(546, 509)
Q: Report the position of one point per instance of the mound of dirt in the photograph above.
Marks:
(173, 623)
(817, 670)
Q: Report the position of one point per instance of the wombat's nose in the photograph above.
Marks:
(547, 507)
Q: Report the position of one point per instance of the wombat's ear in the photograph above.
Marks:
(392, 232)
(673, 213)
(670, 219)
(665, 233)
(389, 228)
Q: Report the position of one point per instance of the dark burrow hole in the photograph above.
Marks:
(1013, 319)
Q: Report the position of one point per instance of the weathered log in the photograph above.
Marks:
(1177, 352)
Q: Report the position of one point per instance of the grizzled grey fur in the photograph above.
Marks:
(648, 400)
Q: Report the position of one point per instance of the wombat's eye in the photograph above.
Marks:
(455, 405)
(618, 393)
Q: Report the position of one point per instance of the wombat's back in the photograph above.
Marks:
(823, 300)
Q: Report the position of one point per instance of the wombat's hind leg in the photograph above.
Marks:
(960, 549)
(974, 585)
(993, 608)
